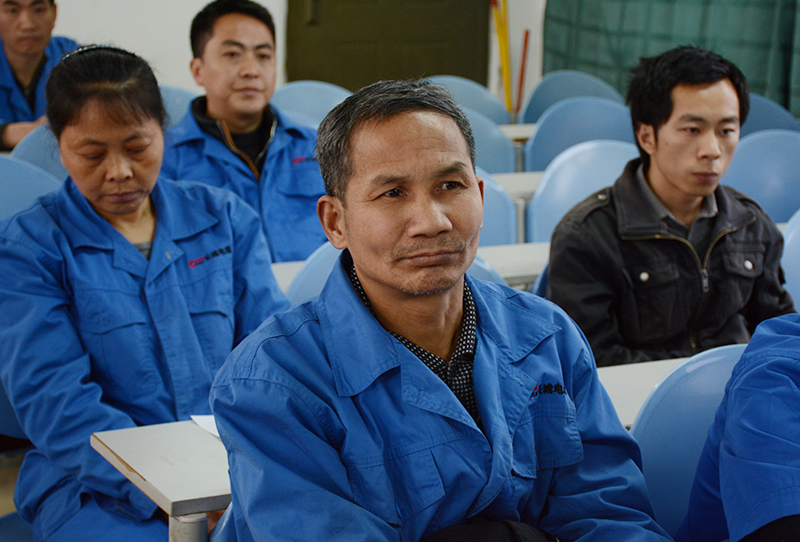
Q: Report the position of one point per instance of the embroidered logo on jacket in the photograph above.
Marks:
(297, 160)
(212, 255)
(549, 389)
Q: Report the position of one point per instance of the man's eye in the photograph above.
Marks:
(393, 193)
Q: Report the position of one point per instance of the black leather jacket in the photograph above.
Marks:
(639, 292)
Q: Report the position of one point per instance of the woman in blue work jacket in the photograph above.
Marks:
(122, 294)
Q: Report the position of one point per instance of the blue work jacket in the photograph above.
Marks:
(13, 105)
(95, 337)
(286, 194)
(336, 431)
(749, 472)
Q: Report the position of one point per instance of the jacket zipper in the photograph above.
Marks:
(250, 164)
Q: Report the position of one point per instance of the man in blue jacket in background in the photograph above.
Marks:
(27, 55)
(233, 138)
(408, 401)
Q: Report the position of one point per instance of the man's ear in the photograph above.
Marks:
(646, 136)
(196, 67)
(330, 211)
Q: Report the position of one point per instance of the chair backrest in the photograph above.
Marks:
(20, 184)
(499, 213)
(562, 84)
(767, 115)
(766, 167)
(314, 99)
(494, 152)
(470, 94)
(573, 176)
(312, 275)
(574, 121)
(176, 102)
(40, 148)
(790, 261)
(672, 426)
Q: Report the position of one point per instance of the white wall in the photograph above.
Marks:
(157, 30)
(522, 15)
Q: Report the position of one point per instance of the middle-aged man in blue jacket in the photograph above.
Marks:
(27, 55)
(747, 485)
(232, 137)
(408, 401)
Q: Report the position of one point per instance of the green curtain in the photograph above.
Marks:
(607, 37)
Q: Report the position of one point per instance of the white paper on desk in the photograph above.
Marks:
(206, 422)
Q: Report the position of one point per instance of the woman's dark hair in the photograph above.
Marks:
(120, 81)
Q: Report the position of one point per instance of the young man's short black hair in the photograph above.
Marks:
(650, 90)
(203, 22)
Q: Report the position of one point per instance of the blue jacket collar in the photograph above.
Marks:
(86, 228)
(510, 334)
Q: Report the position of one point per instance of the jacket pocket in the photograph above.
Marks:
(656, 305)
(742, 266)
(398, 488)
(547, 438)
(117, 332)
(211, 309)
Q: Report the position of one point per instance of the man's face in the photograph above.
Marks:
(413, 209)
(237, 69)
(26, 25)
(693, 149)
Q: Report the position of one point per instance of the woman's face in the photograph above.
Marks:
(114, 164)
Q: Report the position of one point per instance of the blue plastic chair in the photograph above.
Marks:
(574, 121)
(767, 115)
(313, 99)
(21, 183)
(790, 261)
(672, 426)
(312, 275)
(494, 152)
(176, 102)
(499, 213)
(40, 148)
(468, 93)
(573, 176)
(766, 167)
(560, 85)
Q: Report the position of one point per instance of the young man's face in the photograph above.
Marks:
(237, 69)
(26, 25)
(413, 208)
(693, 149)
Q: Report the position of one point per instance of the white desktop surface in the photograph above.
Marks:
(629, 385)
(180, 466)
(518, 132)
(522, 184)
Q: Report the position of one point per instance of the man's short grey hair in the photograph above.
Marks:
(378, 101)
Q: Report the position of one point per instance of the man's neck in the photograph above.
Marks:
(684, 207)
(24, 66)
(239, 125)
(432, 322)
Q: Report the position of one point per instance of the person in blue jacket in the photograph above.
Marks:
(232, 137)
(123, 293)
(747, 485)
(27, 55)
(409, 401)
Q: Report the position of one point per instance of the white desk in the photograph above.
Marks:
(285, 272)
(629, 385)
(180, 466)
(518, 132)
(520, 186)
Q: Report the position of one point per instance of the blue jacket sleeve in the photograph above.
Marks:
(256, 291)
(278, 434)
(603, 497)
(759, 456)
(47, 373)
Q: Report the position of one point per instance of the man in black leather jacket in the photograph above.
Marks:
(667, 262)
